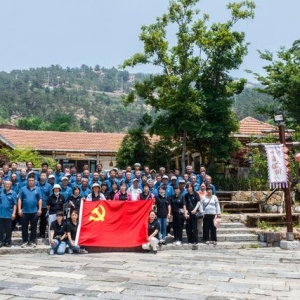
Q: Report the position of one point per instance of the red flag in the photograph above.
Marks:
(113, 223)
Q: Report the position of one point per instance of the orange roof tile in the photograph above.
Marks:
(251, 126)
(64, 141)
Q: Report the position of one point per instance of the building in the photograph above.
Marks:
(69, 148)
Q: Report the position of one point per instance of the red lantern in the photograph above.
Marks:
(297, 157)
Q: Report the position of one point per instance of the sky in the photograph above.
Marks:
(37, 33)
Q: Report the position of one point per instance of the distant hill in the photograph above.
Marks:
(85, 98)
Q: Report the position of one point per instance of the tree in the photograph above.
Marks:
(282, 81)
(192, 93)
(135, 147)
(27, 154)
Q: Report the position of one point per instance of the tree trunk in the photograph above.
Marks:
(183, 152)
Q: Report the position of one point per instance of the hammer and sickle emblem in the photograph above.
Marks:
(97, 215)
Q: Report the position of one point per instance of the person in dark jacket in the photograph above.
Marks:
(179, 212)
(191, 200)
(163, 213)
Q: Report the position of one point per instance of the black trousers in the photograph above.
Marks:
(177, 226)
(5, 228)
(191, 229)
(43, 222)
(32, 219)
(209, 229)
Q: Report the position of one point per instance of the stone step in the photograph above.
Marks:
(232, 225)
(237, 237)
(18, 241)
(220, 245)
(201, 247)
(235, 230)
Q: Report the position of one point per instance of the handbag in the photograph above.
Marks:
(198, 215)
(217, 221)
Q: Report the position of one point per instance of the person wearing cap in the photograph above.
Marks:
(66, 191)
(84, 189)
(122, 194)
(55, 203)
(211, 208)
(134, 190)
(146, 194)
(137, 167)
(165, 184)
(51, 180)
(182, 188)
(192, 199)
(163, 213)
(179, 213)
(173, 182)
(74, 200)
(68, 175)
(95, 195)
(58, 234)
(46, 190)
(29, 208)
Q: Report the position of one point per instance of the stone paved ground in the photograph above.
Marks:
(185, 274)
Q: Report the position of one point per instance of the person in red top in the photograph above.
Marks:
(122, 195)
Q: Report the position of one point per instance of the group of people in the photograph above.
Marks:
(54, 196)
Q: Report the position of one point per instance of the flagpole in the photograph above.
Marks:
(287, 191)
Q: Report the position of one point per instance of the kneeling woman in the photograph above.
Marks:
(72, 226)
(58, 235)
(153, 230)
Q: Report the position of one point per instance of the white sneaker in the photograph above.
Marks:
(70, 251)
(178, 243)
(24, 245)
(51, 252)
(33, 244)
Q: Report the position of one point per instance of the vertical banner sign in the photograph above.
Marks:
(276, 167)
(113, 223)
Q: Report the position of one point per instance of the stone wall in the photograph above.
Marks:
(273, 205)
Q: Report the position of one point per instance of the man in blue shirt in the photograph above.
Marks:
(8, 209)
(22, 178)
(66, 191)
(30, 208)
(5, 172)
(46, 190)
(58, 174)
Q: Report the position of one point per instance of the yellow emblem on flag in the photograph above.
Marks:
(97, 215)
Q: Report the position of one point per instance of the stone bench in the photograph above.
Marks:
(270, 219)
(240, 206)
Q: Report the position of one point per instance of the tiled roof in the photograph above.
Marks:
(251, 126)
(65, 141)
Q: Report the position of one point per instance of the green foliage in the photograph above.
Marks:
(193, 93)
(161, 154)
(282, 81)
(27, 154)
(74, 99)
(135, 147)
